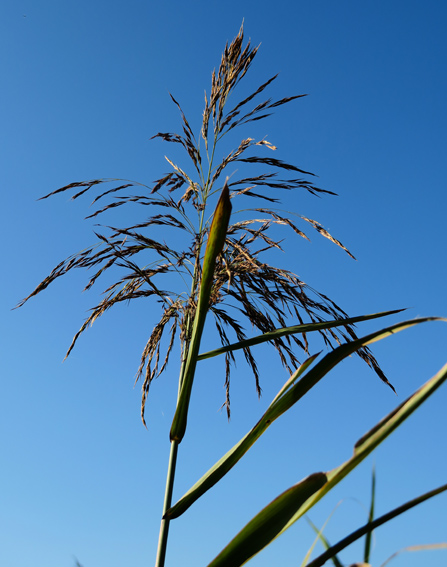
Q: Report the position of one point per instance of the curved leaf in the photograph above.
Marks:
(428, 547)
(295, 329)
(370, 526)
(325, 542)
(216, 241)
(268, 523)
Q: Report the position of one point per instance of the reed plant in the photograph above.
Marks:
(223, 276)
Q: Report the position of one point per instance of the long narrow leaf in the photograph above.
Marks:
(370, 526)
(427, 547)
(292, 392)
(293, 330)
(263, 528)
(370, 518)
(325, 542)
(216, 241)
(266, 525)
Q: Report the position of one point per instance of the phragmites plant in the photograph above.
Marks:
(265, 296)
(222, 270)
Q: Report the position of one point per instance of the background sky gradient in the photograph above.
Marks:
(84, 87)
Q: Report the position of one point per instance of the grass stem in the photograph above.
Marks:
(164, 527)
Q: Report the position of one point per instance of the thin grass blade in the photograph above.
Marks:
(266, 525)
(370, 526)
(216, 241)
(293, 330)
(324, 541)
(370, 517)
(428, 547)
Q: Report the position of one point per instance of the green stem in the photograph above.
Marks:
(164, 527)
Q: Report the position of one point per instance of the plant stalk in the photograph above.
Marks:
(164, 526)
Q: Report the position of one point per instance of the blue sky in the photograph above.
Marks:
(85, 85)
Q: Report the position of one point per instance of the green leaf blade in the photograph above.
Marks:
(293, 330)
(268, 523)
(216, 241)
(370, 526)
(368, 537)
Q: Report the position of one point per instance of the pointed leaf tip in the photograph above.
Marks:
(216, 242)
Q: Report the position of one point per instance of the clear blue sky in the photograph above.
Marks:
(84, 87)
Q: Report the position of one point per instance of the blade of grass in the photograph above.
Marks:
(370, 526)
(216, 241)
(370, 517)
(428, 547)
(266, 525)
(295, 329)
(325, 543)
